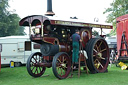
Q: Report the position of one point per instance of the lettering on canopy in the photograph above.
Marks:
(57, 22)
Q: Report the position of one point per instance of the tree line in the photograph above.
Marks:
(9, 21)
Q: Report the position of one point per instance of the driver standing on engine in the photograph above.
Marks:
(75, 44)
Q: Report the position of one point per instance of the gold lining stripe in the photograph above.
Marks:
(83, 32)
(55, 39)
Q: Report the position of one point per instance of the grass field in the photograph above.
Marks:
(19, 76)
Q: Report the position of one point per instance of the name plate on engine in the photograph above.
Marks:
(80, 24)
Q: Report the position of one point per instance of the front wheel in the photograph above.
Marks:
(61, 65)
(33, 67)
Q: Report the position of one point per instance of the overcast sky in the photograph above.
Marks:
(82, 9)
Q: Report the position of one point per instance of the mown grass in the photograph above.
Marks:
(19, 76)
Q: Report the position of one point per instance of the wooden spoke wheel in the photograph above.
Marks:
(98, 55)
(61, 65)
(33, 67)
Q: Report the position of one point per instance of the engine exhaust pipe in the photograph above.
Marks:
(49, 8)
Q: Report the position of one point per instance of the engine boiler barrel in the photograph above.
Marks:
(64, 48)
(51, 50)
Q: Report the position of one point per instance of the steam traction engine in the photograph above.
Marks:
(53, 36)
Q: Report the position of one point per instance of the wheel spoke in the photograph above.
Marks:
(61, 71)
(32, 62)
(94, 55)
(37, 69)
(59, 66)
(35, 59)
(100, 44)
(95, 50)
(65, 68)
(63, 59)
(59, 60)
(97, 47)
(33, 68)
(40, 69)
(103, 50)
(100, 64)
(58, 69)
(102, 58)
(39, 58)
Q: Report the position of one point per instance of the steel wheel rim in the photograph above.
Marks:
(100, 55)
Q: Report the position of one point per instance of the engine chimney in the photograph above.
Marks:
(49, 8)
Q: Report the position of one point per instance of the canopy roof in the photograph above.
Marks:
(34, 19)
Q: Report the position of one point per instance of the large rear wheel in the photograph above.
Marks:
(33, 67)
(61, 65)
(98, 55)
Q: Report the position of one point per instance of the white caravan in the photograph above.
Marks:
(17, 49)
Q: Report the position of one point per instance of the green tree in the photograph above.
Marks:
(118, 8)
(9, 22)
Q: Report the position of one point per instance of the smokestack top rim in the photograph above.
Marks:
(49, 13)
